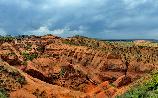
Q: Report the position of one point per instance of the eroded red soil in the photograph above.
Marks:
(66, 71)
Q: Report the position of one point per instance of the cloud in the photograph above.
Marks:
(132, 4)
(93, 18)
(45, 30)
(65, 32)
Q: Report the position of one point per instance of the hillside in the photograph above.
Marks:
(53, 67)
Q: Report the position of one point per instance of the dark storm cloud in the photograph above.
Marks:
(94, 18)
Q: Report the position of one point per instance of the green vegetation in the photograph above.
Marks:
(146, 87)
(62, 72)
(28, 46)
(21, 80)
(24, 63)
(41, 48)
(3, 93)
(6, 38)
(28, 56)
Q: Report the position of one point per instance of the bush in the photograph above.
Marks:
(24, 63)
(62, 72)
(144, 88)
(28, 46)
(41, 49)
(21, 80)
(28, 56)
(3, 93)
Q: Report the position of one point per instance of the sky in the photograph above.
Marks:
(105, 19)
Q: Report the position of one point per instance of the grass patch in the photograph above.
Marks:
(146, 87)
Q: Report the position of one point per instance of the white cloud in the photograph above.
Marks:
(65, 32)
(40, 31)
(69, 2)
(134, 3)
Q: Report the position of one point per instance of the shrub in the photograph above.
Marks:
(3, 93)
(24, 63)
(41, 48)
(28, 46)
(21, 80)
(62, 72)
(28, 56)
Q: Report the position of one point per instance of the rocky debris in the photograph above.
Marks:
(11, 58)
(103, 90)
(38, 75)
(103, 86)
(121, 81)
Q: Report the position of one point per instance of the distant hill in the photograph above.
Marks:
(129, 40)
